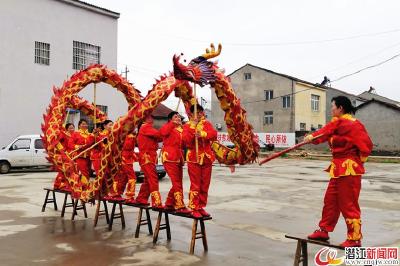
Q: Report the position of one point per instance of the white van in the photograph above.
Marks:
(23, 152)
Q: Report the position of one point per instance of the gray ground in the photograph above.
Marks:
(252, 210)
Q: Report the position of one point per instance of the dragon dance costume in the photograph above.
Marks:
(79, 141)
(61, 182)
(200, 164)
(350, 146)
(148, 139)
(172, 158)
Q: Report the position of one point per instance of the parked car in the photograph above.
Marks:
(25, 151)
(159, 168)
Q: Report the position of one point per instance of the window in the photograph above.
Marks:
(268, 117)
(319, 126)
(42, 53)
(21, 144)
(38, 144)
(286, 101)
(302, 126)
(247, 76)
(269, 94)
(84, 54)
(314, 103)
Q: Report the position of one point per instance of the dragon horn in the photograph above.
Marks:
(211, 54)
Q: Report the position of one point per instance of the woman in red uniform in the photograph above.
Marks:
(126, 176)
(200, 164)
(148, 139)
(61, 182)
(172, 158)
(350, 146)
(78, 142)
(95, 153)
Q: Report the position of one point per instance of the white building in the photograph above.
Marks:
(43, 42)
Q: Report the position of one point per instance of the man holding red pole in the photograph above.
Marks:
(198, 135)
(350, 146)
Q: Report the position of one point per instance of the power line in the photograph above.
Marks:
(295, 42)
(356, 60)
(365, 68)
(277, 97)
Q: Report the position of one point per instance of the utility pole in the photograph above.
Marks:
(125, 72)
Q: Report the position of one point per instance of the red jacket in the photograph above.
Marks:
(95, 153)
(208, 135)
(172, 143)
(128, 153)
(65, 136)
(79, 141)
(148, 139)
(350, 145)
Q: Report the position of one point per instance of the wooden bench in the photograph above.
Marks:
(301, 254)
(115, 215)
(50, 200)
(140, 220)
(100, 212)
(77, 206)
(195, 234)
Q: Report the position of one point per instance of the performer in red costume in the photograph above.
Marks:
(126, 174)
(200, 164)
(95, 154)
(148, 138)
(172, 158)
(350, 146)
(78, 142)
(61, 182)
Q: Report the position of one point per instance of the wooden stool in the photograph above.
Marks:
(51, 200)
(195, 234)
(116, 215)
(160, 226)
(301, 249)
(77, 207)
(140, 220)
(100, 212)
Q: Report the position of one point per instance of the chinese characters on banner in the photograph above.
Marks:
(280, 140)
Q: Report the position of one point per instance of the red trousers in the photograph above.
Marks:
(175, 195)
(341, 196)
(126, 175)
(200, 177)
(84, 167)
(149, 186)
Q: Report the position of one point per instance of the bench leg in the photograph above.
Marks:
(112, 216)
(84, 209)
(194, 231)
(55, 201)
(167, 227)
(121, 213)
(301, 254)
(74, 211)
(64, 205)
(139, 223)
(45, 201)
(96, 215)
(203, 235)
(157, 228)
(149, 225)
(304, 253)
(106, 211)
